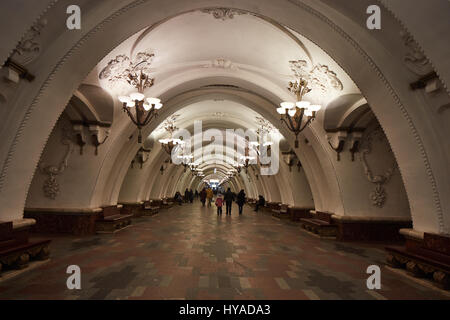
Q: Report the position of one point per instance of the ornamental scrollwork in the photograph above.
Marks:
(223, 13)
(51, 186)
(318, 76)
(119, 69)
(378, 195)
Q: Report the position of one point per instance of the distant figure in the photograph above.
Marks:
(186, 195)
(203, 196)
(209, 196)
(240, 200)
(178, 198)
(228, 198)
(219, 204)
(196, 194)
(191, 196)
(261, 202)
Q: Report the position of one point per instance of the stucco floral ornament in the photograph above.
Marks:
(319, 76)
(51, 186)
(377, 196)
(117, 71)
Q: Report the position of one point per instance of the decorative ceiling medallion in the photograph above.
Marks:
(223, 13)
(318, 76)
(118, 69)
(218, 114)
(415, 59)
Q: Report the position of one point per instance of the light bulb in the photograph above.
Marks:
(281, 110)
(137, 96)
(292, 112)
(315, 107)
(303, 104)
(153, 100)
(158, 106)
(130, 104)
(147, 106)
(308, 113)
(287, 105)
(124, 99)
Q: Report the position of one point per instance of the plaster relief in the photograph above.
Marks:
(29, 47)
(51, 186)
(415, 59)
(376, 137)
(117, 70)
(318, 76)
(221, 63)
(223, 13)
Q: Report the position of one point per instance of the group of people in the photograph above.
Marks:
(188, 196)
(207, 194)
(228, 199)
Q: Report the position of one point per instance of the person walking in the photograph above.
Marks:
(261, 202)
(209, 196)
(191, 196)
(228, 198)
(203, 196)
(186, 195)
(219, 204)
(240, 200)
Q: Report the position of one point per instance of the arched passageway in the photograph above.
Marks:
(371, 162)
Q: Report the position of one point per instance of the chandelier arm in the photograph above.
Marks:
(130, 115)
(287, 124)
(306, 124)
(149, 116)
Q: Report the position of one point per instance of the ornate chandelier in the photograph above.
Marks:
(170, 143)
(145, 109)
(186, 161)
(292, 113)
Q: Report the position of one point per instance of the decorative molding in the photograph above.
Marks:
(318, 76)
(99, 135)
(141, 157)
(378, 196)
(117, 70)
(221, 63)
(29, 48)
(51, 186)
(415, 60)
(223, 13)
(338, 137)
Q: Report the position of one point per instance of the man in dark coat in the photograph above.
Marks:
(203, 196)
(240, 200)
(261, 202)
(228, 198)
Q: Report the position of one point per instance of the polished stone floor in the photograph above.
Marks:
(189, 252)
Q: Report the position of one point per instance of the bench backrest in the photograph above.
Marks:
(110, 211)
(324, 216)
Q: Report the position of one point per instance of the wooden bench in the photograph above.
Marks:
(297, 213)
(167, 203)
(429, 258)
(135, 209)
(111, 219)
(151, 207)
(16, 250)
(281, 212)
(320, 223)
